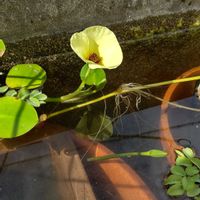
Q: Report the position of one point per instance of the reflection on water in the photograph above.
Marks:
(139, 131)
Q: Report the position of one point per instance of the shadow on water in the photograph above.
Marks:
(140, 131)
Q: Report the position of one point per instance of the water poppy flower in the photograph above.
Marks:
(98, 47)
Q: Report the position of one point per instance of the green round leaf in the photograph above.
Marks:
(3, 89)
(16, 117)
(2, 48)
(34, 101)
(96, 77)
(41, 97)
(23, 93)
(179, 153)
(196, 161)
(183, 161)
(188, 152)
(172, 179)
(192, 170)
(195, 178)
(35, 93)
(11, 93)
(193, 190)
(177, 170)
(175, 190)
(184, 182)
(26, 75)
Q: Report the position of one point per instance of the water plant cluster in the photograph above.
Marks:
(99, 48)
(184, 177)
(22, 92)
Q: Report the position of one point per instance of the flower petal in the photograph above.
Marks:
(95, 66)
(99, 41)
(109, 49)
(80, 44)
(111, 55)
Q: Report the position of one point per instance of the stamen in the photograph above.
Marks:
(94, 57)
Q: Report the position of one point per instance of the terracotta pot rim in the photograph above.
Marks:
(170, 145)
(172, 87)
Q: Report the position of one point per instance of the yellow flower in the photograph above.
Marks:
(97, 46)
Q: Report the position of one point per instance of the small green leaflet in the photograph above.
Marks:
(3, 89)
(175, 190)
(185, 177)
(11, 93)
(178, 170)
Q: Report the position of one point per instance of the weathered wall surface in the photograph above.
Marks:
(21, 19)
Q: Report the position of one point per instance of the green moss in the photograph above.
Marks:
(137, 31)
(180, 23)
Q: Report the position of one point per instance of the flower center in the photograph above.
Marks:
(94, 58)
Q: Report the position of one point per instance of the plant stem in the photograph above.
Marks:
(148, 86)
(156, 154)
(64, 98)
(111, 156)
(53, 99)
(122, 91)
(82, 105)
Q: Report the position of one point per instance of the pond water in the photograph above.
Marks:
(140, 131)
(162, 54)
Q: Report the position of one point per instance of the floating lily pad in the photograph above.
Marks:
(26, 75)
(16, 117)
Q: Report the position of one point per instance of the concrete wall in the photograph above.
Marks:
(21, 19)
(155, 47)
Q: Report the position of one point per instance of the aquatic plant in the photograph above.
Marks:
(98, 47)
(184, 177)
